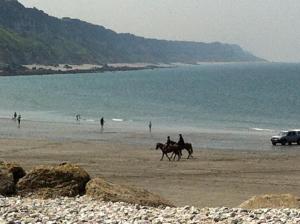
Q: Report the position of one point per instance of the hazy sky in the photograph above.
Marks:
(267, 28)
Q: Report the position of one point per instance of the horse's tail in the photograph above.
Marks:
(192, 150)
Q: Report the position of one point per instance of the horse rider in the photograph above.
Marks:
(168, 142)
(180, 141)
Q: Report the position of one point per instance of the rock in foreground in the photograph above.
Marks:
(15, 169)
(100, 189)
(272, 201)
(54, 181)
(10, 173)
(7, 185)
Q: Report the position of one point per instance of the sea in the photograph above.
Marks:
(208, 97)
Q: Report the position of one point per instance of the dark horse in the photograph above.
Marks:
(188, 147)
(171, 148)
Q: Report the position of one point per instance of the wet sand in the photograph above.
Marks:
(212, 178)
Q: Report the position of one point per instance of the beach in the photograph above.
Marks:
(213, 178)
(229, 126)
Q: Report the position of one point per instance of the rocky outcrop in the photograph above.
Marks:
(7, 185)
(65, 180)
(103, 190)
(272, 201)
(68, 180)
(15, 169)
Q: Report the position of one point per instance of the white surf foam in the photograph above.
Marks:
(90, 120)
(261, 129)
(118, 119)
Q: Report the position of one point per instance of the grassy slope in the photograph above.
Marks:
(31, 36)
(18, 49)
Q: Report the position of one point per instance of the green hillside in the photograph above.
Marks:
(30, 36)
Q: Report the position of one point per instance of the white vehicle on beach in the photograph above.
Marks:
(284, 137)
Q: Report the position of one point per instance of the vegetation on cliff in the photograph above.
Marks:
(28, 35)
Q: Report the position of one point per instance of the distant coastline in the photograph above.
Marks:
(31, 36)
(54, 69)
(36, 69)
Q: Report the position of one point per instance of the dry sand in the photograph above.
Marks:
(213, 178)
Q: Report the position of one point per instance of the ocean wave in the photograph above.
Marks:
(117, 119)
(89, 120)
(261, 129)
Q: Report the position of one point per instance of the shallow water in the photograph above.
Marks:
(237, 96)
(243, 98)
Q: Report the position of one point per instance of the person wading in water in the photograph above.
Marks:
(150, 126)
(15, 116)
(102, 123)
(19, 121)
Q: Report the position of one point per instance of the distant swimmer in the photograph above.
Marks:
(102, 123)
(150, 126)
(19, 121)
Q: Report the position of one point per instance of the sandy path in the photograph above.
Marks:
(212, 178)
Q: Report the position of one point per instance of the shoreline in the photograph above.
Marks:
(40, 69)
(135, 133)
(29, 70)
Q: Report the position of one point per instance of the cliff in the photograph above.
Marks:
(28, 35)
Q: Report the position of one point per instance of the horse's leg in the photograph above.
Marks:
(168, 157)
(179, 153)
(192, 151)
(179, 157)
(172, 155)
(162, 156)
(189, 151)
(189, 155)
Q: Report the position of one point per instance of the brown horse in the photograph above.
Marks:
(171, 148)
(188, 147)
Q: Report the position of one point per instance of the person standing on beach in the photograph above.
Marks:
(102, 123)
(78, 117)
(19, 121)
(150, 126)
(15, 116)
